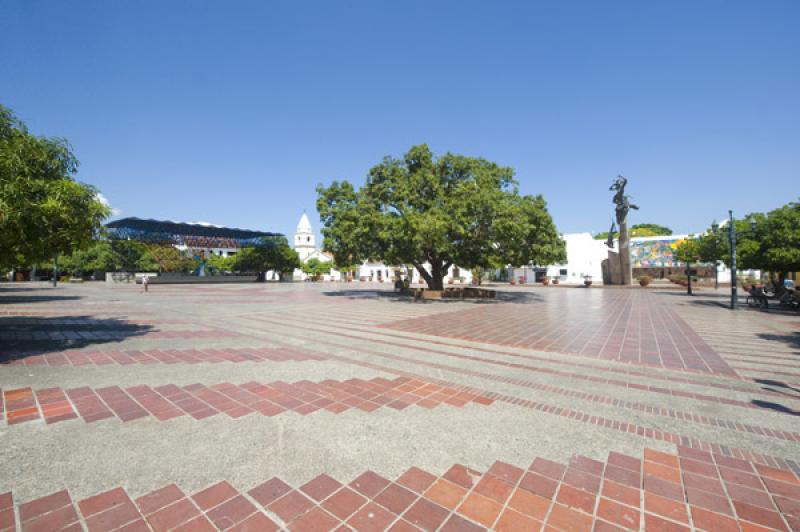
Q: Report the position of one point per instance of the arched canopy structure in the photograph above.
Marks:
(191, 235)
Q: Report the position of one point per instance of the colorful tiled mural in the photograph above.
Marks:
(654, 253)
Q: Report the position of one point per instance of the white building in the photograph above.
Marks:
(306, 247)
(585, 256)
(305, 244)
(380, 272)
(651, 255)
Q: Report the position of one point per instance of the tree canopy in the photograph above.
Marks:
(639, 230)
(764, 241)
(688, 251)
(445, 210)
(44, 212)
(112, 255)
(275, 255)
(315, 267)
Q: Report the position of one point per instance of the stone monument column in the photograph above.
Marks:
(623, 205)
(625, 254)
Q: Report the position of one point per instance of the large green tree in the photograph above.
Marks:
(273, 254)
(764, 241)
(44, 212)
(110, 256)
(441, 211)
(98, 257)
(316, 268)
(689, 252)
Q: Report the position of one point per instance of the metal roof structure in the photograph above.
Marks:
(193, 235)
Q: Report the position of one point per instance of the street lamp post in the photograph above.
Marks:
(732, 235)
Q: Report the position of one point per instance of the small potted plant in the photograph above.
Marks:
(644, 280)
(545, 281)
(555, 280)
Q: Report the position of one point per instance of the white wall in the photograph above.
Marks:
(369, 271)
(585, 256)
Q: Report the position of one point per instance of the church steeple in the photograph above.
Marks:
(304, 242)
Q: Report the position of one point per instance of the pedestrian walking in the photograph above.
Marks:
(145, 282)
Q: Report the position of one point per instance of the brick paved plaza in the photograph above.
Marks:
(311, 406)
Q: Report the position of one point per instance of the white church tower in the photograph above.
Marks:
(304, 242)
(306, 247)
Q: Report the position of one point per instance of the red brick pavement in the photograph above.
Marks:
(165, 356)
(200, 401)
(687, 490)
(633, 327)
(631, 428)
(599, 398)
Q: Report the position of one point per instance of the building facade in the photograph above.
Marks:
(305, 244)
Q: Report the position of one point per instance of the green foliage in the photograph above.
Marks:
(639, 230)
(315, 267)
(130, 255)
(775, 244)
(768, 241)
(274, 255)
(443, 211)
(43, 211)
(650, 230)
(99, 257)
(109, 256)
(604, 235)
(170, 259)
(688, 251)
(217, 264)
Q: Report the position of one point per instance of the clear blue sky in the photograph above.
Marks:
(232, 112)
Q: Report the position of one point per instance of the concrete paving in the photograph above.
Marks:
(111, 396)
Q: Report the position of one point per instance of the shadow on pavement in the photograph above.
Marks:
(779, 384)
(23, 336)
(14, 294)
(776, 407)
(500, 297)
(792, 340)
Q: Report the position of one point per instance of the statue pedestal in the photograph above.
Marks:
(612, 269)
(617, 268)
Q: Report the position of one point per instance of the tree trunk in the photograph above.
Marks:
(689, 278)
(438, 271)
(778, 284)
(434, 279)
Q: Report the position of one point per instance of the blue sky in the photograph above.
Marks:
(232, 112)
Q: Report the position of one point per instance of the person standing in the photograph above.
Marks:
(145, 282)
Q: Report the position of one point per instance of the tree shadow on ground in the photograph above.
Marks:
(697, 294)
(791, 339)
(24, 336)
(15, 294)
(779, 384)
(724, 301)
(780, 388)
(776, 407)
(500, 297)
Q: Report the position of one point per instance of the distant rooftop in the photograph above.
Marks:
(196, 234)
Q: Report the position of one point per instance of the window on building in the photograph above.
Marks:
(562, 271)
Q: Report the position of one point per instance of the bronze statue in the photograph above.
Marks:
(622, 201)
(610, 241)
